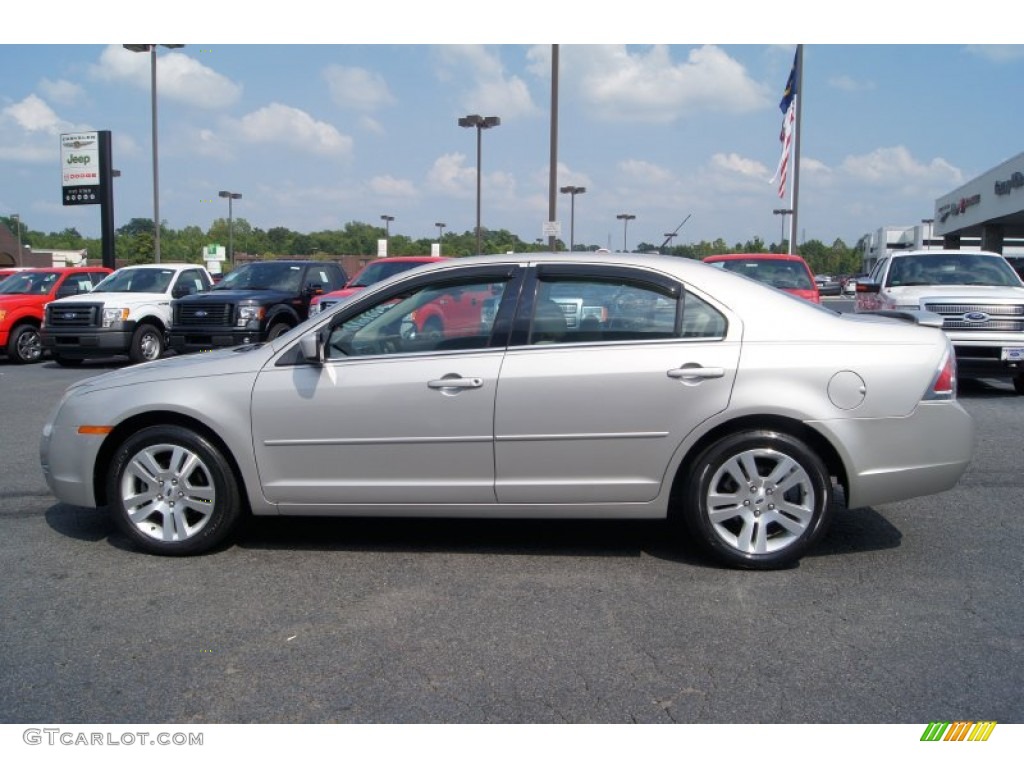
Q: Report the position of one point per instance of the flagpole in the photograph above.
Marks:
(795, 199)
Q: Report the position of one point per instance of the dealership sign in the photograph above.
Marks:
(80, 168)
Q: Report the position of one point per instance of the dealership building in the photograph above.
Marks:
(986, 213)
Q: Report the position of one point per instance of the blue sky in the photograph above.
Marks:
(317, 135)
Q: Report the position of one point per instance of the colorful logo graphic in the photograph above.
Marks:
(961, 730)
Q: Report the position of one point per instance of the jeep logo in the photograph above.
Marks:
(976, 317)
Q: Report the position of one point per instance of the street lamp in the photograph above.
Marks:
(572, 191)
(231, 196)
(151, 49)
(18, 217)
(440, 234)
(626, 218)
(480, 123)
(929, 222)
(783, 212)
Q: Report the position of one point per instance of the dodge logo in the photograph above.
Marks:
(975, 317)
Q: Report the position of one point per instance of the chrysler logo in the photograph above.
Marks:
(975, 317)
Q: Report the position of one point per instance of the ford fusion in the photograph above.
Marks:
(530, 386)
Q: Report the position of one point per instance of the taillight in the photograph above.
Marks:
(943, 386)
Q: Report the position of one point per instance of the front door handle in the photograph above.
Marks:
(456, 382)
(694, 372)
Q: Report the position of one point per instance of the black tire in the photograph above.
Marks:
(25, 344)
(172, 492)
(1018, 383)
(278, 329)
(758, 499)
(67, 362)
(147, 344)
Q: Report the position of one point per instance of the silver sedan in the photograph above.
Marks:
(526, 386)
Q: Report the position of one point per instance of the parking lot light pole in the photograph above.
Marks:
(387, 231)
(572, 192)
(231, 196)
(783, 212)
(480, 123)
(928, 242)
(151, 49)
(625, 218)
(17, 217)
(440, 234)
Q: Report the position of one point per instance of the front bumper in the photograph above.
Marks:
(198, 340)
(81, 343)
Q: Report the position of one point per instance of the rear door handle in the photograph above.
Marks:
(693, 372)
(456, 382)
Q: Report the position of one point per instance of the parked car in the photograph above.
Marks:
(256, 302)
(786, 272)
(23, 298)
(128, 313)
(372, 273)
(828, 285)
(978, 295)
(615, 386)
(850, 284)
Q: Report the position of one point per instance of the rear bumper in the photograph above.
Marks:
(939, 435)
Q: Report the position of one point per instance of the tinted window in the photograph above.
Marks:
(432, 317)
(779, 273)
(577, 310)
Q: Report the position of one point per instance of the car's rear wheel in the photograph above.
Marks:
(758, 499)
(147, 344)
(172, 492)
(25, 344)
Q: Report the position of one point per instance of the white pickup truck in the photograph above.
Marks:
(128, 313)
(978, 295)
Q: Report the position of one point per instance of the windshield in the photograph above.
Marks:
(263, 276)
(136, 280)
(779, 273)
(29, 283)
(951, 269)
(380, 270)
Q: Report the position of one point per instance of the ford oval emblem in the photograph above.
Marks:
(201, 313)
(975, 317)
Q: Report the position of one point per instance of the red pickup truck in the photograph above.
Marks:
(22, 298)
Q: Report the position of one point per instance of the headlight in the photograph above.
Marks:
(114, 315)
(247, 315)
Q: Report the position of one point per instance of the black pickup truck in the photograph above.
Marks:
(255, 302)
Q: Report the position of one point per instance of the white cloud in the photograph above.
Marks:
(357, 88)
(61, 91)
(493, 90)
(743, 166)
(650, 86)
(389, 186)
(847, 83)
(450, 175)
(645, 172)
(34, 115)
(179, 77)
(291, 127)
(896, 167)
(997, 53)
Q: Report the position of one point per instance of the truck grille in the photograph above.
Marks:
(74, 315)
(990, 317)
(203, 314)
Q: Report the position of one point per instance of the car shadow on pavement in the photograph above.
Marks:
(852, 531)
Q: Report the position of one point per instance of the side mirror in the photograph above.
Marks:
(312, 349)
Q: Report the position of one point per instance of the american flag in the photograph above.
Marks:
(788, 107)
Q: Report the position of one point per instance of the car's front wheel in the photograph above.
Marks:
(147, 344)
(758, 499)
(172, 491)
(25, 345)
